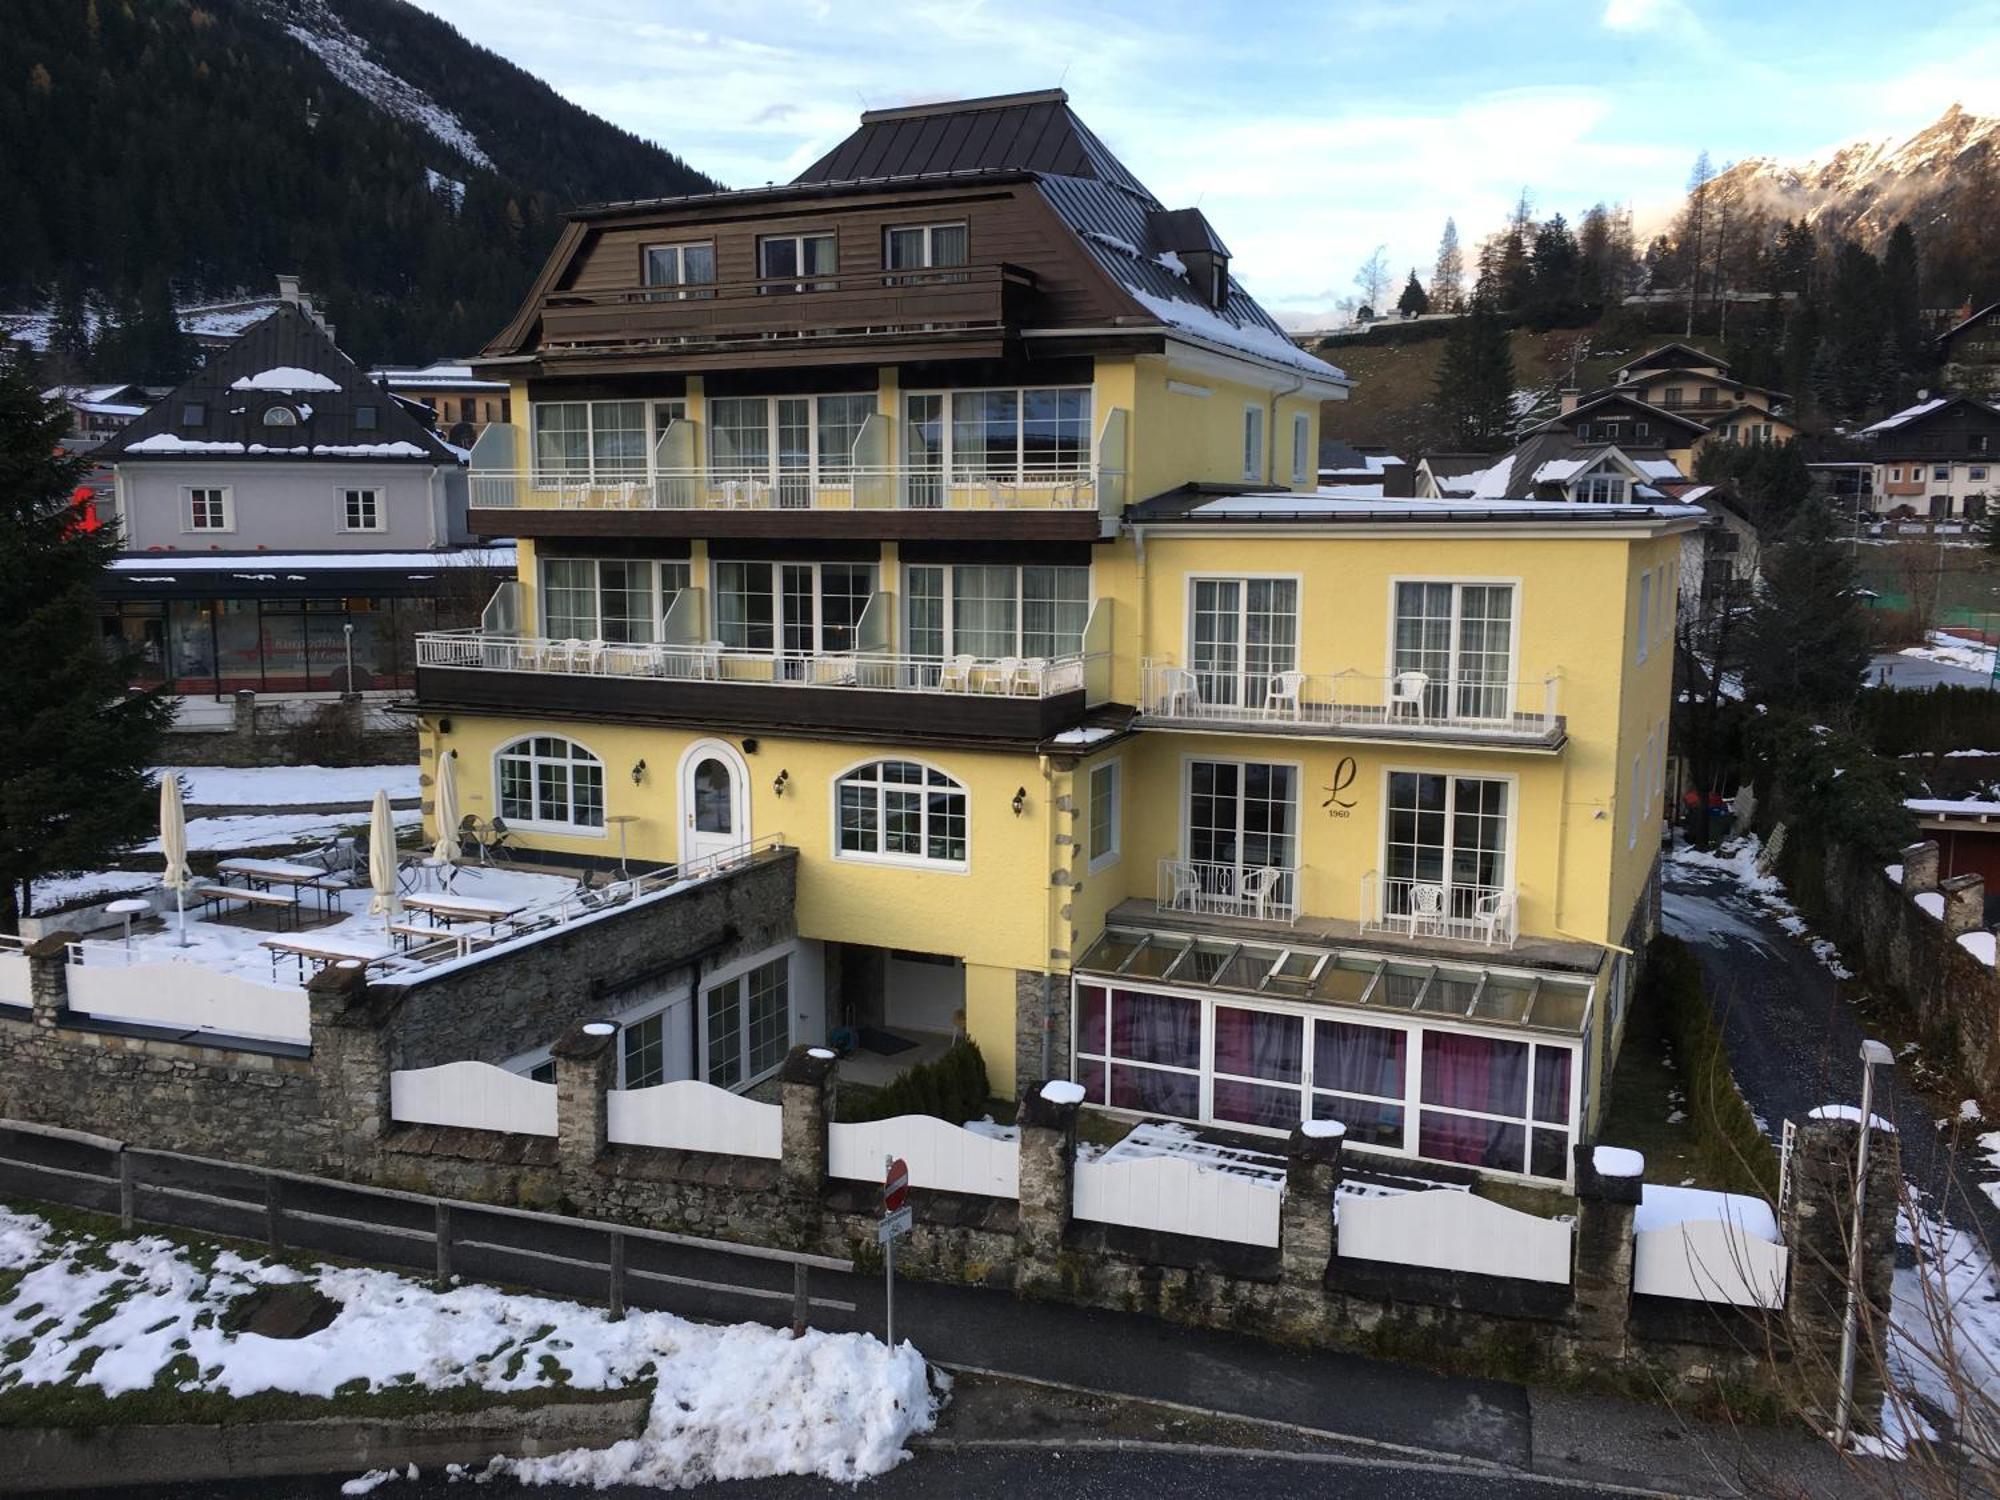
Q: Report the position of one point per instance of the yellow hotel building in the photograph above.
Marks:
(948, 513)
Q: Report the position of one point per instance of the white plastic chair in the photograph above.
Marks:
(955, 676)
(1003, 671)
(1493, 914)
(1426, 906)
(711, 660)
(1179, 692)
(1030, 673)
(1256, 888)
(1187, 888)
(1281, 694)
(1406, 691)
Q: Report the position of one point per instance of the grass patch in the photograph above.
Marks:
(1648, 1107)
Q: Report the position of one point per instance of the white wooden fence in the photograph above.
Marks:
(13, 973)
(1176, 1196)
(1453, 1231)
(183, 996)
(1708, 1247)
(939, 1155)
(690, 1115)
(475, 1095)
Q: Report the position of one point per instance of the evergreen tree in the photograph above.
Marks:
(1793, 256)
(165, 353)
(1413, 303)
(68, 359)
(1448, 276)
(1806, 647)
(1552, 277)
(1475, 385)
(75, 741)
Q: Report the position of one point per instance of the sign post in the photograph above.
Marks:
(896, 1217)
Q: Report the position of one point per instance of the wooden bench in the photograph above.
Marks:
(283, 900)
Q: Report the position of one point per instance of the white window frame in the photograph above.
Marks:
(348, 494)
(661, 598)
(1184, 830)
(535, 760)
(1645, 632)
(591, 473)
(740, 974)
(1114, 792)
(1454, 774)
(676, 289)
(225, 504)
(950, 596)
(951, 471)
(820, 469)
(797, 239)
(1455, 678)
(1243, 675)
(1301, 443)
(780, 620)
(1253, 442)
(929, 232)
(880, 856)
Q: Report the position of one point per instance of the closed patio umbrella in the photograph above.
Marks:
(382, 859)
(446, 849)
(174, 846)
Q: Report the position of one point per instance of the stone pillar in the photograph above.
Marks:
(1816, 1213)
(350, 1048)
(48, 978)
(1048, 1166)
(1608, 1188)
(1920, 867)
(1964, 903)
(245, 713)
(586, 1061)
(807, 1086)
(1305, 1223)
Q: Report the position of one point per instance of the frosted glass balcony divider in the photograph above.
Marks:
(504, 612)
(495, 467)
(1111, 468)
(1097, 654)
(872, 471)
(684, 624)
(676, 457)
(875, 631)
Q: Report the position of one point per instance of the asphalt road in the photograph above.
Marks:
(1893, 669)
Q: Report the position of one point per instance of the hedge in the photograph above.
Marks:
(951, 1087)
(1909, 721)
(1737, 1155)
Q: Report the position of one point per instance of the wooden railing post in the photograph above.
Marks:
(617, 1268)
(441, 1231)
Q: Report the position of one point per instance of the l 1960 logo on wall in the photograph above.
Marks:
(1337, 803)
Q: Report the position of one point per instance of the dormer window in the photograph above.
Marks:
(1601, 486)
(280, 416)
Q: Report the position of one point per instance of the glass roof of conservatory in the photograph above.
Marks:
(1514, 998)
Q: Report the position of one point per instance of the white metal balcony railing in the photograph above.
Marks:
(763, 488)
(1349, 700)
(1266, 892)
(1486, 914)
(964, 676)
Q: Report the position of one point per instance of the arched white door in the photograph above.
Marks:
(715, 800)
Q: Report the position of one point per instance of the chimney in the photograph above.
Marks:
(1571, 398)
(288, 287)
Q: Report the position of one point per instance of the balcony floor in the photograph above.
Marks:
(1322, 932)
(1532, 738)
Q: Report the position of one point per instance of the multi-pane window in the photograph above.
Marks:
(209, 508)
(1601, 488)
(1460, 636)
(780, 256)
(1242, 632)
(748, 1024)
(1449, 832)
(1105, 814)
(608, 599)
(646, 1052)
(1253, 442)
(551, 782)
(680, 266)
(1243, 817)
(361, 510)
(903, 811)
(795, 610)
(745, 610)
(1301, 448)
(598, 440)
(790, 442)
(1020, 436)
(992, 610)
(1494, 1102)
(1645, 613)
(923, 246)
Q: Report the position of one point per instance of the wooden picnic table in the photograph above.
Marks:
(450, 908)
(323, 949)
(265, 873)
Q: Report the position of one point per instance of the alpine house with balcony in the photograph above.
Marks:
(950, 514)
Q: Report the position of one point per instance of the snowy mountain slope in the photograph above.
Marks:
(1863, 187)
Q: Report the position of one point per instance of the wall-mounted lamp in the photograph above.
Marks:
(778, 786)
(749, 746)
(638, 771)
(1020, 800)
(444, 726)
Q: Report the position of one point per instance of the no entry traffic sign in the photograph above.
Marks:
(895, 1185)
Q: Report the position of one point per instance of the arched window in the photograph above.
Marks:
(280, 416)
(550, 782)
(900, 810)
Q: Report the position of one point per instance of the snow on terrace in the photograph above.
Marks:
(346, 57)
(737, 1402)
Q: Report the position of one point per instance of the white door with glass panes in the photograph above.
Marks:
(1242, 632)
(1461, 637)
(1241, 837)
(1450, 833)
(715, 808)
(746, 1024)
(992, 611)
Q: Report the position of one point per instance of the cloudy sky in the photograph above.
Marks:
(1310, 133)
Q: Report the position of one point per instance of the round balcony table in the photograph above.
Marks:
(623, 820)
(128, 908)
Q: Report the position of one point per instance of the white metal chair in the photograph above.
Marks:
(955, 676)
(1179, 693)
(1493, 915)
(1406, 693)
(1426, 911)
(1281, 694)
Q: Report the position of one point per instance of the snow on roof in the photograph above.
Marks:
(1664, 1207)
(1556, 470)
(1850, 1114)
(171, 442)
(1361, 500)
(284, 378)
(444, 374)
(1907, 414)
(1211, 327)
(152, 563)
(1493, 483)
(1658, 468)
(1945, 807)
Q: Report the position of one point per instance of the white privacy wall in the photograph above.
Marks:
(1175, 1196)
(693, 1116)
(189, 997)
(13, 977)
(1453, 1231)
(1708, 1247)
(475, 1095)
(939, 1155)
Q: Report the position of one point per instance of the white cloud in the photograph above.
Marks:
(1635, 15)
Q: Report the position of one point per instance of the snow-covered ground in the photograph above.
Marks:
(740, 1402)
(1954, 651)
(242, 831)
(1737, 858)
(291, 786)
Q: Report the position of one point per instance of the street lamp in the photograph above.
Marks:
(1873, 1055)
(348, 631)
